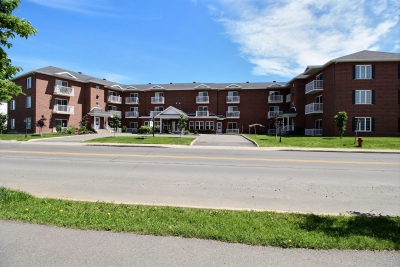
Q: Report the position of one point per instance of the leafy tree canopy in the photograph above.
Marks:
(10, 26)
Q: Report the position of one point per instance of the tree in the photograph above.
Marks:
(115, 122)
(341, 120)
(182, 122)
(9, 27)
(41, 123)
(3, 120)
(84, 121)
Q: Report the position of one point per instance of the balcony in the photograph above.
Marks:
(112, 112)
(202, 99)
(232, 131)
(275, 99)
(157, 100)
(63, 90)
(131, 100)
(202, 113)
(233, 114)
(131, 114)
(114, 99)
(288, 98)
(232, 99)
(63, 109)
(273, 114)
(314, 108)
(154, 113)
(314, 87)
(313, 132)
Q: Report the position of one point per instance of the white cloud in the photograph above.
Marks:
(283, 37)
(93, 7)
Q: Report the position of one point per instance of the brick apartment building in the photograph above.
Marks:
(365, 84)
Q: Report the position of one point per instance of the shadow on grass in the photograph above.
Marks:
(367, 225)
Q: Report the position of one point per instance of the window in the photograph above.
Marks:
(134, 95)
(28, 82)
(97, 87)
(113, 108)
(12, 105)
(97, 103)
(61, 102)
(319, 77)
(133, 125)
(28, 103)
(112, 93)
(233, 93)
(147, 123)
(159, 109)
(363, 97)
(318, 99)
(318, 124)
(363, 124)
(232, 125)
(191, 125)
(62, 83)
(28, 123)
(274, 93)
(274, 108)
(132, 109)
(203, 108)
(203, 93)
(232, 108)
(12, 123)
(209, 125)
(159, 94)
(199, 125)
(62, 122)
(363, 72)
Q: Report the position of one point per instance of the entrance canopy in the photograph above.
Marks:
(98, 112)
(254, 126)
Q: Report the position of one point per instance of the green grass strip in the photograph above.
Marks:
(325, 142)
(21, 137)
(164, 140)
(287, 230)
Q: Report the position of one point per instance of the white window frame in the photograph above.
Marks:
(365, 124)
(60, 101)
(203, 93)
(28, 103)
(233, 108)
(159, 109)
(231, 124)
(363, 97)
(159, 94)
(134, 95)
(209, 125)
(363, 72)
(29, 83)
(199, 125)
(28, 123)
(273, 108)
(12, 105)
(202, 108)
(12, 123)
(62, 120)
(62, 83)
(318, 99)
(233, 93)
(318, 124)
(112, 108)
(133, 124)
(97, 87)
(134, 109)
(191, 125)
(147, 123)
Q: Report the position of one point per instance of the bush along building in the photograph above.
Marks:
(365, 84)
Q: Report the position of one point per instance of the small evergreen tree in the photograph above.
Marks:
(41, 123)
(84, 121)
(341, 120)
(182, 122)
(3, 120)
(115, 122)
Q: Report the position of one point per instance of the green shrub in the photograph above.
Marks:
(58, 128)
(169, 132)
(195, 132)
(83, 130)
(187, 132)
(124, 128)
(145, 129)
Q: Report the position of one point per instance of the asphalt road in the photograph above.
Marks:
(256, 179)
(35, 245)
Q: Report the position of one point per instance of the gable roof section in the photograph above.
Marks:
(171, 111)
(202, 86)
(66, 74)
(367, 55)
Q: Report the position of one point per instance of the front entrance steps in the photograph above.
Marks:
(102, 131)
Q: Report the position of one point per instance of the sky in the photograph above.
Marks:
(163, 41)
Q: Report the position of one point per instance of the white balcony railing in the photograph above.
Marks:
(132, 130)
(131, 114)
(157, 100)
(233, 114)
(112, 112)
(111, 129)
(273, 114)
(288, 128)
(314, 86)
(154, 113)
(314, 108)
(131, 100)
(202, 99)
(288, 98)
(275, 99)
(63, 90)
(233, 99)
(114, 99)
(63, 109)
(313, 132)
(202, 113)
(232, 131)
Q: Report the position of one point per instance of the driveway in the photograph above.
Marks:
(222, 140)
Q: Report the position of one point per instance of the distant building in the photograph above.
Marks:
(365, 84)
(3, 107)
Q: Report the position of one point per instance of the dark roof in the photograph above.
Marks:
(99, 112)
(367, 55)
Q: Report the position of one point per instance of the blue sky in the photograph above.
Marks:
(162, 41)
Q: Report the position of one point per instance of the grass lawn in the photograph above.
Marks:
(249, 227)
(21, 137)
(325, 142)
(146, 139)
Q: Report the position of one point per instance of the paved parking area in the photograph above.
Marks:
(222, 140)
